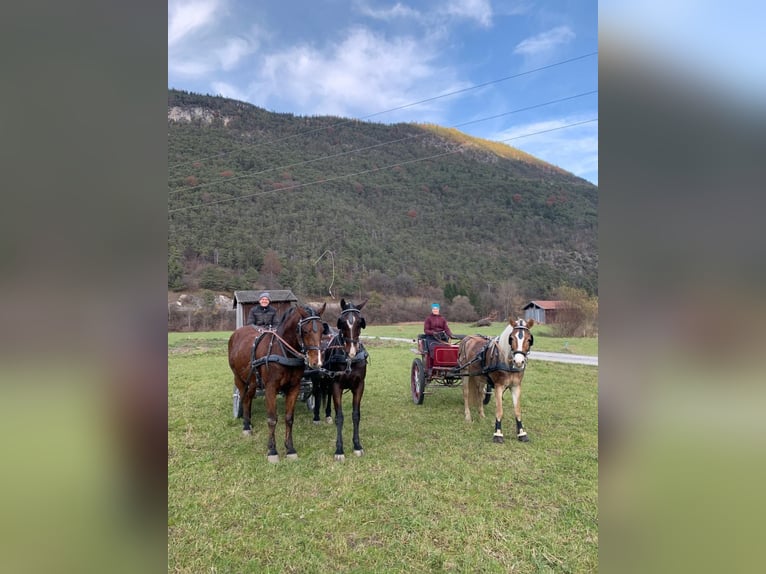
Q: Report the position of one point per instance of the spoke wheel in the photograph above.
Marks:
(418, 382)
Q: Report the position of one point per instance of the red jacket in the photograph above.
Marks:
(435, 324)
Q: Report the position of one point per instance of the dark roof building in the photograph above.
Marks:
(544, 311)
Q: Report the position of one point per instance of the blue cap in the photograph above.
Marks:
(434, 305)
(265, 294)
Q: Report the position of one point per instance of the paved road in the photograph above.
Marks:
(533, 356)
(564, 358)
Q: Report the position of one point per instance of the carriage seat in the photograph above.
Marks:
(440, 353)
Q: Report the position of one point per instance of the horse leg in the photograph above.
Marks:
(467, 398)
(290, 399)
(478, 397)
(499, 389)
(337, 399)
(356, 416)
(327, 403)
(271, 418)
(316, 391)
(246, 393)
(521, 434)
(241, 389)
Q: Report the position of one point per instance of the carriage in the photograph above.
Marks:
(482, 365)
(436, 366)
(302, 357)
(282, 300)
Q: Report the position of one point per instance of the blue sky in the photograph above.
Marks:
(471, 64)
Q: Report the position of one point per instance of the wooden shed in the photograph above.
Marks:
(281, 300)
(544, 311)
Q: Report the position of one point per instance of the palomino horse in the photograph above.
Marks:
(345, 368)
(500, 361)
(274, 361)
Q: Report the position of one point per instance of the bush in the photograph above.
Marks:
(579, 317)
(461, 310)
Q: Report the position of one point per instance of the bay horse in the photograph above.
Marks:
(275, 361)
(501, 362)
(344, 368)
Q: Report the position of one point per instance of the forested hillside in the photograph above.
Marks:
(259, 199)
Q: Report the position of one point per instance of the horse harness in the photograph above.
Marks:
(290, 356)
(335, 352)
(489, 357)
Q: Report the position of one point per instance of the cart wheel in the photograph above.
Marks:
(488, 393)
(310, 402)
(237, 403)
(418, 382)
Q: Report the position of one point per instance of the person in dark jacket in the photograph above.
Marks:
(263, 315)
(435, 327)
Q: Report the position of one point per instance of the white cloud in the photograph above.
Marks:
(233, 51)
(189, 68)
(363, 72)
(188, 16)
(398, 10)
(479, 10)
(545, 42)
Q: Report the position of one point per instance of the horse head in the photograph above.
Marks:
(521, 340)
(350, 325)
(309, 334)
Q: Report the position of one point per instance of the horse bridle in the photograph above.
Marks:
(303, 347)
(341, 338)
(531, 340)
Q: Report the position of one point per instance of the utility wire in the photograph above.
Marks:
(327, 180)
(349, 152)
(463, 90)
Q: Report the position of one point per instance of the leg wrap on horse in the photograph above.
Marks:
(520, 432)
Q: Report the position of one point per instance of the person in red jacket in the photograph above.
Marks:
(435, 327)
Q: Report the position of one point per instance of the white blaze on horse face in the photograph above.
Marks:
(316, 356)
(518, 349)
(313, 356)
(352, 344)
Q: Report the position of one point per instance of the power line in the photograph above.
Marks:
(373, 170)
(433, 98)
(349, 152)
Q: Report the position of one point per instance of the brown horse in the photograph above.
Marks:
(275, 361)
(345, 368)
(501, 362)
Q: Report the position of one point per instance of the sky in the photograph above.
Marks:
(523, 72)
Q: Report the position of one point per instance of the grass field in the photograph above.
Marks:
(432, 493)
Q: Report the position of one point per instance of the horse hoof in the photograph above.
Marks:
(340, 457)
(328, 420)
(316, 422)
(247, 433)
(359, 452)
(498, 439)
(273, 458)
(292, 456)
(523, 438)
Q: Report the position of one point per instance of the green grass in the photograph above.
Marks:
(432, 493)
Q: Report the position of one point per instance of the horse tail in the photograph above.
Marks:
(475, 391)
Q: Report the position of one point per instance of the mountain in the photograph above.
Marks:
(262, 199)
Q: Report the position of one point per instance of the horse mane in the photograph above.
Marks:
(503, 340)
(284, 320)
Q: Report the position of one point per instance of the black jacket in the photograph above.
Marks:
(263, 316)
